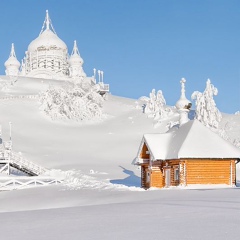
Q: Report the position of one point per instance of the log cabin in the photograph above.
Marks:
(188, 154)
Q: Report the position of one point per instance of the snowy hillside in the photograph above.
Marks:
(102, 198)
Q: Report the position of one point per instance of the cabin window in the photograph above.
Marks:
(176, 174)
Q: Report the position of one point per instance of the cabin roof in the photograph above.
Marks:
(191, 140)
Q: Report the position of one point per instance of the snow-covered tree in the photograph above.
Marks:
(206, 110)
(155, 105)
(72, 102)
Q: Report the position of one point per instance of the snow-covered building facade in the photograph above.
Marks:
(47, 57)
(187, 154)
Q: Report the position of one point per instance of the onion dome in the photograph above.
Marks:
(47, 38)
(12, 60)
(75, 62)
(75, 58)
(183, 102)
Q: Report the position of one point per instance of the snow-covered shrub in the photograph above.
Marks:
(206, 110)
(72, 102)
(155, 105)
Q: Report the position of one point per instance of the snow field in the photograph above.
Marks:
(102, 198)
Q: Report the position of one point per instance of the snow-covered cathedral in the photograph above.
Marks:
(47, 57)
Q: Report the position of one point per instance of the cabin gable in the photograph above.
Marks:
(144, 153)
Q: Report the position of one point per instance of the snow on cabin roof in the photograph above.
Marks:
(191, 140)
(158, 144)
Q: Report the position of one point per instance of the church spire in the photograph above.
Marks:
(183, 81)
(75, 49)
(47, 24)
(183, 105)
(12, 64)
(47, 20)
(76, 62)
(12, 53)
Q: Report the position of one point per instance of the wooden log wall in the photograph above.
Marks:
(144, 177)
(209, 171)
(191, 171)
(157, 179)
(182, 173)
(233, 172)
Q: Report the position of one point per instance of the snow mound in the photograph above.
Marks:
(76, 179)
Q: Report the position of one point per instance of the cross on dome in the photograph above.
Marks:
(75, 49)
(183, 105)
(47, 24)
(12, 53)
(12, 64)
(75, 56)
(47, 20)
(183, 81)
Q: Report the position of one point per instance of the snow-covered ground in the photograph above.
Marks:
(102, 198)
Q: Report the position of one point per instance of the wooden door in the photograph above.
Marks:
(167, 177)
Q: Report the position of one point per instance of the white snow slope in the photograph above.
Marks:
(102, 198)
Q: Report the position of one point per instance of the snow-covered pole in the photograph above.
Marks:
(102, 75)
(99, 76)
(94, 74)
(10, 130)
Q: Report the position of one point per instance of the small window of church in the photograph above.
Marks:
(176, 174)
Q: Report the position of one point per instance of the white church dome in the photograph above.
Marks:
(183, 102)
(47, 40)
(12, 61)
(75, 59)
(47, 55)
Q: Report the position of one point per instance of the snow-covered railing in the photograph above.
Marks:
(22, 164)
(104, 87)
(36, 178)
(19, 97)
(10, 183)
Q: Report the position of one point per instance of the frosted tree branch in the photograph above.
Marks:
(206, 110)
